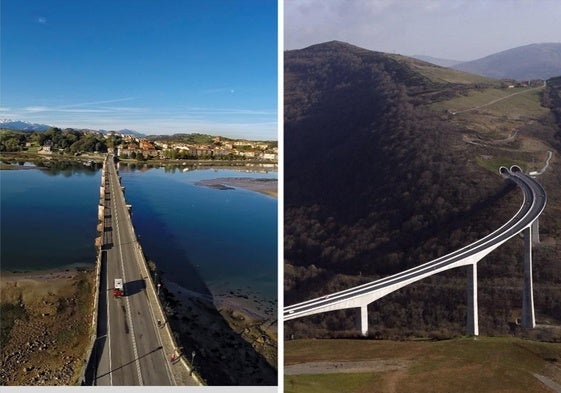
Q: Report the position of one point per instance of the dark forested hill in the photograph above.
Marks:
(379, 178)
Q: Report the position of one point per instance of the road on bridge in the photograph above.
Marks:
(129, 347)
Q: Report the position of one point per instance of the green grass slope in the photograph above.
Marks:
(490, 364)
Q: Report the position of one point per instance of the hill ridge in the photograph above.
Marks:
(527, 62)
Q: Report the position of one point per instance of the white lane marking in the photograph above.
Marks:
(108, 322)
(139, 261)
(157, 330)
(135, 351)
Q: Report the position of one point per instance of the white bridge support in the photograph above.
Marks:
(528, 316)
(362, 316)
(472, 309)
(536, 231)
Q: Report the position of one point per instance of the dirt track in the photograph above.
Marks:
(374, 366)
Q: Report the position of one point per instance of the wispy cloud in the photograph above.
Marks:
(42, 20)
(108, 114)
(86, 107)
(231, 111)
(36, 109)
(102, 102)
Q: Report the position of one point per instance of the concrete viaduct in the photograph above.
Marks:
(525, 221)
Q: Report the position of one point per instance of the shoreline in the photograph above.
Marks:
(235, 342)
(99, 157)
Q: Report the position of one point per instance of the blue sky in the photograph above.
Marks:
(159, 67)
(449, 29)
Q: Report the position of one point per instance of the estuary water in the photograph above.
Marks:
(48, 217)
(201, 238)
(205, 239)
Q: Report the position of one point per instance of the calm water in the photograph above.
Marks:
(202, 238)
(48, 218)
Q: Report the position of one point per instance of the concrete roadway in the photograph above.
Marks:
(532, 207)
(129, 346)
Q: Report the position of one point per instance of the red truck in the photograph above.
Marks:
(118, 289)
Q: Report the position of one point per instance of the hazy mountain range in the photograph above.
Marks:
(19, 125)
(534, 61)
(22, 125)
(438, 61)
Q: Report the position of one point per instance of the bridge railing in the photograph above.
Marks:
(93, 335)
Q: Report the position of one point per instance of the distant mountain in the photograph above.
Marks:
(22, 125)
(125, 131)
(19, 125)
(437, 61)
(535, 61)
(130, 132)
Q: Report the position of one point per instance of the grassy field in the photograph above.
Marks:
(442, 74)
(485, 364)
(525, 104)
(493, 164)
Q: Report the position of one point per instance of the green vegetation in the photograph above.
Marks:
(447, 75)
(194, 139)
(526, 102)
(493, 164)
(485, 364)
(57, 140)
(330, 383)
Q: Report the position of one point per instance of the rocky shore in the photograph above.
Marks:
(233, 334)
(45, 319)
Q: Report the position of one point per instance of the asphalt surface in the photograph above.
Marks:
(128, 349)
(533, 205)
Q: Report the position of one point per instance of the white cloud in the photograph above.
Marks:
(228, 122)
(92, 103)
(36, 109)
(42, 20)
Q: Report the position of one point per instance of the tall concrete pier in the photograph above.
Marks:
(472, 309)
(528, 316)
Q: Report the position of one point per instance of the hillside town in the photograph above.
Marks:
(136, 147)
(218, 147)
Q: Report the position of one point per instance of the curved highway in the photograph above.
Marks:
(532, 206)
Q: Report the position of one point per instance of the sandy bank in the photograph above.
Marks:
(267, 187)
(45, 319)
